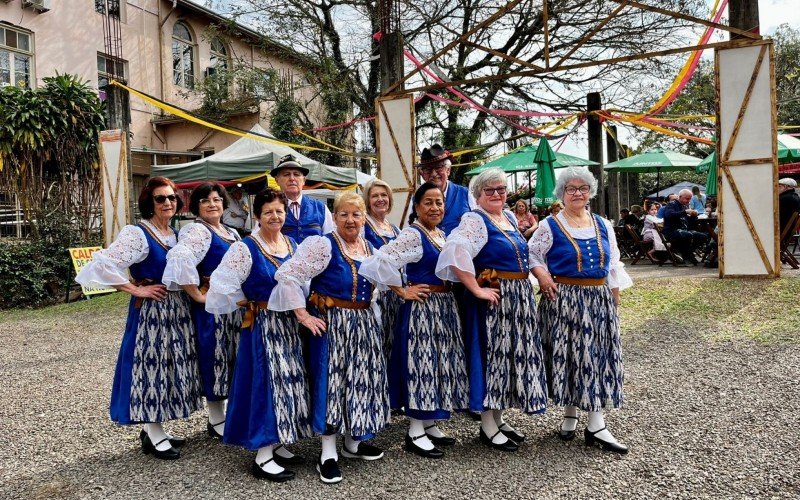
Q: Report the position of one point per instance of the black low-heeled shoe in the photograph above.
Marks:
(512, 434)
(567, 435)
(148, 448)
(592, 439)
(277, 477)
(176, 442)
(212, 431)
(287, 461)
(509, 445)
(413, 448)
(439, 441)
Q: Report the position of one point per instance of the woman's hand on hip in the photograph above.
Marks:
(154, 292)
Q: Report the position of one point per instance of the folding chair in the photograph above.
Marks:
(787, 236)
(624, 243)
(640, 247)
(667, 244)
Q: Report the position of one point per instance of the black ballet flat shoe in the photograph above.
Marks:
(509, 445)
(176, 442)
(213, 432)
(276, 477)
(440, 441)
(287, 461)
(474, 416)
(591, 440)
(413, 448)
(365, 451)
(512, 434)
(148, 448)
(329, 472)
(567, 435)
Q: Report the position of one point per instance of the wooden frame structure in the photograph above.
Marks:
(114, 193)
(395, 125)
(769, 257)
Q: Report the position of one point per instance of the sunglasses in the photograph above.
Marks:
(160, 198)
(490, 191)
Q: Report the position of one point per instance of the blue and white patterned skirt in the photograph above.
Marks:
(428, 373)
(389, 304)
(217, 342)
(504, 351)
(157, 377)
(347, 375)
(269, 399)
(580, 333)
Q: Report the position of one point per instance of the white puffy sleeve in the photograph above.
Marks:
(110, 266)
(225, 288)
(194, 241)
(539, 244)
(462, 245)
(311, 258)
(617, 276)
(328, 225)
(383, 267)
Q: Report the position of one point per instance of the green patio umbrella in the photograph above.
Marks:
(654, 161)
(521, 160)
(788, 152)
(711, 181)
(544, 159)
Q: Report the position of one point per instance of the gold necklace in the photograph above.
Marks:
(279, 248)
(359, 247)
(575, 223)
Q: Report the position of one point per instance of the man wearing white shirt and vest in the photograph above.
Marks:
(305, 216)
(434, 167)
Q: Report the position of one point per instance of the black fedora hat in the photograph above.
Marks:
(288, 161)
(434, 154)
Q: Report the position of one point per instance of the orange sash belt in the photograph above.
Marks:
(252, 307)
(145, 282)
(447, 287)
(325, 302)
(205, 282)
(492, 277)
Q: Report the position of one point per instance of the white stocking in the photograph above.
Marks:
(416, 428)
(264, 454)
(282, 451)
(216, 415)
(328, 448)
(156, 433)
(597, 422)
(432, 429)
(570, 424)
(489, 427)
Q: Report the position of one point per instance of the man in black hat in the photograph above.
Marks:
(434, 167)
(305, 216)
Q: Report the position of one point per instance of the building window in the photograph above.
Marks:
(116, 8)
(219, 55)
(107, 68)
(16, 57)
(182, 56)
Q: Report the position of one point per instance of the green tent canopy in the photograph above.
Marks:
(522, 160)
(788, 152)
(248, 157)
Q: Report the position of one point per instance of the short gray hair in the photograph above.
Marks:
(571, 173)
(488, 176)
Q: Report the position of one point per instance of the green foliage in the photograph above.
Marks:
(35, 272)
(787, 74)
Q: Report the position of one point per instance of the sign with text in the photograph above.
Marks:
(80, 258)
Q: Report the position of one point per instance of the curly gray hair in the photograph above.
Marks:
(572, 173)
(488, 176)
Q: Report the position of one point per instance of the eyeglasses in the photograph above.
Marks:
(209, 201)
(353, 215)
(572, 189)
(160, 198)
(428, 170)
(490, 191)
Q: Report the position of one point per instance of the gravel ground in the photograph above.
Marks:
(702, 419)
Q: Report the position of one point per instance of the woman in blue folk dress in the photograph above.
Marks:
(268, 405)
(489, 256)
(190, 263)
(156, 379)
(575, 258)
(427, 370)
(347, 368)
(378, 231)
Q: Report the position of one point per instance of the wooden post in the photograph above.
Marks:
(391, 54)
(743, 14)
(613, 191)
(593, 103)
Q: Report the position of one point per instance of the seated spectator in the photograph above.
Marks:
(626, 217)
(649, 232)
(698, 201)
(556, 207)
(788, 200)
(677, 215)
(664, 206)
(526, 221)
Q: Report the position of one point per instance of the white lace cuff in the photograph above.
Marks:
(453, 256)
(103, 272)
(287, 296)
(180, 271)
(381, 270)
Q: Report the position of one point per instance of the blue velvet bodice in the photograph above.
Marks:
(375, 238)
(423, 271)
(152, 267)
(259, 284)
(579, 258)
(341, 279)
(216, 251)
(504, 250)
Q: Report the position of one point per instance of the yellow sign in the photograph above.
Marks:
(81, 257)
